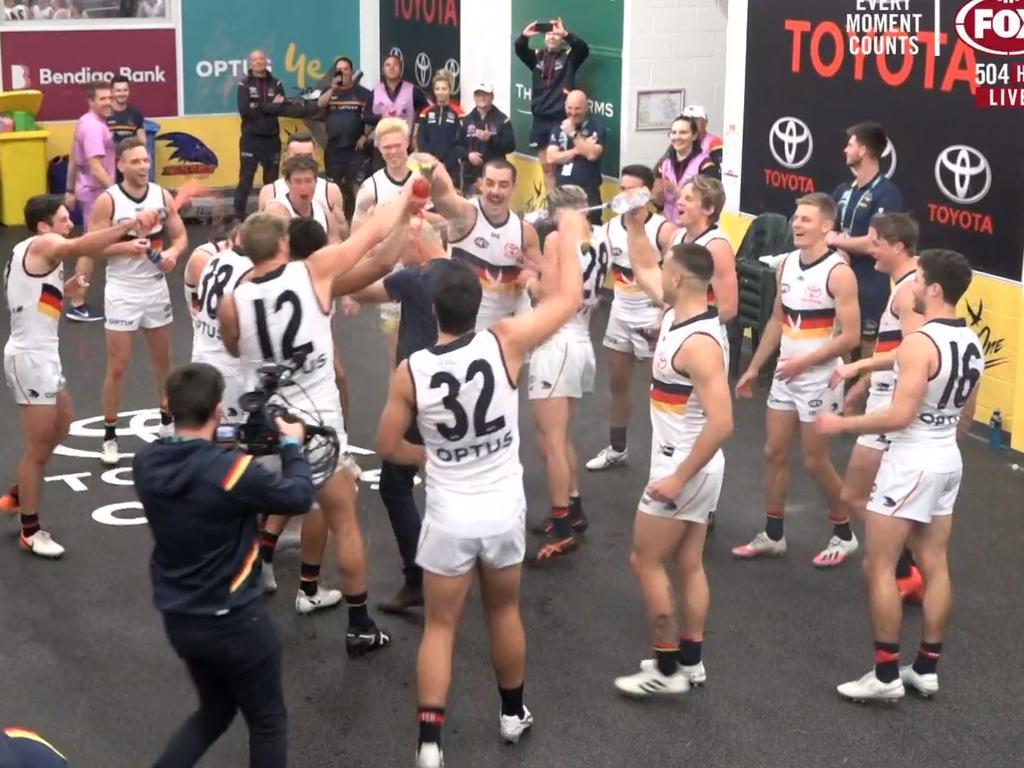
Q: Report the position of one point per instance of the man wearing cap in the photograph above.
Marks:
(486, 135)
(708, 141)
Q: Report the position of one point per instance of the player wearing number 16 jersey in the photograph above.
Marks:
(462, 395)
(279, 313)
(938, 368)
(561, 372)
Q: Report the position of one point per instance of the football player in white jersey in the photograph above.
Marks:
(893, 239)
(700, 205)
(485, 234)
(327, 193)
(136, 295)
(281, 310)
(198, 260)
(815, 321)
(938, 368)
(562, 371)
(633, 320)
(691, 418)
(34, 286)
(461, 394)
(299, 202)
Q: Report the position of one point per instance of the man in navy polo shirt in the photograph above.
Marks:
(575, 149)
(870, 192)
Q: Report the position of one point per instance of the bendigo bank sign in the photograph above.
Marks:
(814, 69)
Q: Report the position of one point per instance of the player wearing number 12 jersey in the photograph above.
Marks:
(561, 372)
(280, 312)
(461, 393)
(938, 368)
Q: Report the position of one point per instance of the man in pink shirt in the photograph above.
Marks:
(90, 173)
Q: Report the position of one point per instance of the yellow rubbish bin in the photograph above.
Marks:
(22, 172)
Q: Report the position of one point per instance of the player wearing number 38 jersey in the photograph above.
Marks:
(938, 368)
(462, 395)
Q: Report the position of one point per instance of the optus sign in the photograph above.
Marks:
(301, 39)
(993, 26)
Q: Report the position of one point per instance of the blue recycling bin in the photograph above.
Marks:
(152, 129)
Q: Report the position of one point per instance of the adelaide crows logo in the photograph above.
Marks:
(191, 157)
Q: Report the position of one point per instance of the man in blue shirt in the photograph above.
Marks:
(576, 148)
(413, 288)
(870, 192)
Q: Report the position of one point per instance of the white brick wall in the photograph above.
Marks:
(671, 44)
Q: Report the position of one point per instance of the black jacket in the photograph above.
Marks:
(438, 130)
(502, 143)
(346, 116)
(256, 105)
(554, 74)
(202, 501)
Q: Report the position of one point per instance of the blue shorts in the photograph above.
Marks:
(873, 289)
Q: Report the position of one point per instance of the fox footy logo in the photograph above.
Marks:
(993, 26)
(192, 156)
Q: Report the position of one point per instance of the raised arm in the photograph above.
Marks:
(461, 213)
(518, 335)
(377, 263)
(643, 257)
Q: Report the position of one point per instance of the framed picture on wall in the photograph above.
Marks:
(655, 110)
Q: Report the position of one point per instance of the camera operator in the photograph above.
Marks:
(202, 503)
(346, 103)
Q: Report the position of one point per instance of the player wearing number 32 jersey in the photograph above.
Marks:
(938, 368)
(462, 395)
(280, 313)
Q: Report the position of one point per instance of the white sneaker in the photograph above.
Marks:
(429, 755)
(870, 688)
(42, 544)
(696, 674)
(324, 598)
(835, 553)
(109, 455)
(652, 683)
(760, 546)
(926, 685)
(289, 540)
(607, 458)
(267, 579)
(513, 727)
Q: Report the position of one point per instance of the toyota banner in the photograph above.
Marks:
(425, 36)
(814, 69)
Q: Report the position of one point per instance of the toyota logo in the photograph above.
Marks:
(967, 169)
(890, 155)
(396, 51)
(791, 142)
(452, 65)
(423, 69)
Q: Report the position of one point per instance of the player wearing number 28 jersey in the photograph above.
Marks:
(462, 395)
(561, 371)
(938, 368)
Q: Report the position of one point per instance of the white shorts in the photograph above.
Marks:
(694, 504)
(446, 555)
(638, 339)
(130, 307)
(34, 378)
(876, 402)
(562, 369)
(808, 394)
(914, 494)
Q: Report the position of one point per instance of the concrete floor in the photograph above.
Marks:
(84, 660)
